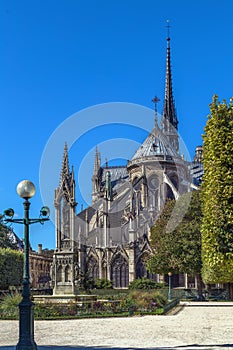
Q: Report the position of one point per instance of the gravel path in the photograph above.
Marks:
(196, 326)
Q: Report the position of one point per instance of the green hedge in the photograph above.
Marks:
(146, 284)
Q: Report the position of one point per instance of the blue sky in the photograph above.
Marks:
(62, 57)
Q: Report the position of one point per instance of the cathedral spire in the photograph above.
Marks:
(169, 120)
(97, 161)
(97, 176)
(65, 170)
(169, 111)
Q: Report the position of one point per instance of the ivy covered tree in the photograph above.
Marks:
(217, 195)
(176, 238)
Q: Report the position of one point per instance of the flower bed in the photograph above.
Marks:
(128, 304)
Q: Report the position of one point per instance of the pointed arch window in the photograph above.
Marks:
(93, 267)
(67, 273)
(65, 218)
(104, 270)
(59, 273)
(124, 275)
(141, 269)
(120, 272)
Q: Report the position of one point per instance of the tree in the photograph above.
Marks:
(11, 268)
(161, 241)
(217, 195)
(176, 238)
(6, 237)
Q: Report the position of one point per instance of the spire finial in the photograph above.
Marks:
(169, 120)
(155, 100)
(97, 162)
(168, 29)
(65, 170)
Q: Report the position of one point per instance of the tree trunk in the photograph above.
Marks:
(200, 295)
(230, 290)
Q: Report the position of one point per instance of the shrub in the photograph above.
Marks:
(9, 306)
(144, 300)
(11, 268)
(145, 283)
(50, 310)
(103, 283)
(86, 282)
(159, 298)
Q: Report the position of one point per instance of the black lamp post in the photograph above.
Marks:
(169, 286)
(26, 190)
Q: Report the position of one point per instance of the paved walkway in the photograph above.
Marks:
(205, 325)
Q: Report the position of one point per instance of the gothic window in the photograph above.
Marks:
(120, 272)
(134, 206)
(153, 184)
(104, 270)
(124, 275)
(65, 218)
(115, 276)
(67, 273)
(59, 273)
(93, 267)
(141, 269)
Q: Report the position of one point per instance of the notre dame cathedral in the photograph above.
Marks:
(111, 238)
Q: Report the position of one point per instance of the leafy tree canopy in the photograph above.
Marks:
(6, 237)
(217, 194)
(11, 268)
(176, 237)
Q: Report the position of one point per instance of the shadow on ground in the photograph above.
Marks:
(181, 347)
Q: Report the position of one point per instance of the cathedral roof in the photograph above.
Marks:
(119, 174)
(87, 214)
(156, 144)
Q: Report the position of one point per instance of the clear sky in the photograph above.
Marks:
(61, 57)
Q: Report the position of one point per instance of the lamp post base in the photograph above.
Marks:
(26, 346)
(26, 326)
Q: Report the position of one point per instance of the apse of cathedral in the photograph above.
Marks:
(111, 238)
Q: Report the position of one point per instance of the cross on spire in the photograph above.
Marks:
(155, 100)
(168, 29)
(169, 121)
